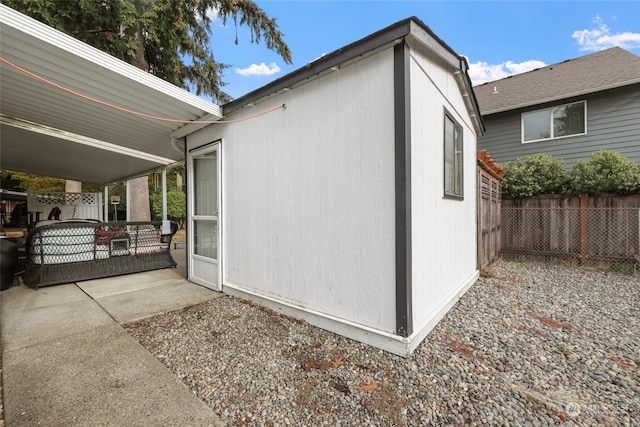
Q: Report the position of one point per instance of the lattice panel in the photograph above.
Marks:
(67, 198)
(71, 205)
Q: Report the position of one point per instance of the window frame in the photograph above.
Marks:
(458, 161)
(551, 122)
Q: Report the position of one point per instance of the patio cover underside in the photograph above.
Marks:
(48, 131)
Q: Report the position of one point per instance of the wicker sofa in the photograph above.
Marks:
(76, 250)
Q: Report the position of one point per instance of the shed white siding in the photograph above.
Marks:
(310, 193)
(308, 196)
(443, 229)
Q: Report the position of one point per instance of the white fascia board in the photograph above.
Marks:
(50, 36)
(458, 63)
(192, 127)
(434, 45)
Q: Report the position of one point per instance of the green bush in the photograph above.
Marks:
(533, 175)
(176, 206)
(606, 172)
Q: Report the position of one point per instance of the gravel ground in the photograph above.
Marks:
(527, 345)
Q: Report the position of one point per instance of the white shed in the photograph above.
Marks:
(344, 193)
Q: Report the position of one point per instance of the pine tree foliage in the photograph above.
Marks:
(168, 38)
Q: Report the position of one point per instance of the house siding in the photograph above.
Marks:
(320, 199)
(443, 229)
(613, 123)
(308, 196)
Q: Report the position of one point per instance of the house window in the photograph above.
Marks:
(452, 158)
(555, 122)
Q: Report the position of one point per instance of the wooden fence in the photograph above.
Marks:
(489, 219)
(600, 231)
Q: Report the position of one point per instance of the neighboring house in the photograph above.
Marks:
(567, 110)
(344, 193)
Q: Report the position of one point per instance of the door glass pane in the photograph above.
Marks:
(206, 184)
(205, 236)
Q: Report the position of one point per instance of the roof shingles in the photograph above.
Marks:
(607, 69)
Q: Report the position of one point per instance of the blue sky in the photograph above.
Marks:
(497, 37)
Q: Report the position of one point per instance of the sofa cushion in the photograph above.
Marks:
(104, 235)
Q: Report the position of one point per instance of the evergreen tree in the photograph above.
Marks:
(168, 38)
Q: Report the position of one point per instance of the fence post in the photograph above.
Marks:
(583, 229)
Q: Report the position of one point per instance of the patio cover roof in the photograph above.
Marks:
(47, 130)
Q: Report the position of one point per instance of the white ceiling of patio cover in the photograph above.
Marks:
(135, 144)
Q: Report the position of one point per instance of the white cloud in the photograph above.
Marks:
(212, 13)
(259, 70)
(482, 72)
(597, 38)
(601, 37)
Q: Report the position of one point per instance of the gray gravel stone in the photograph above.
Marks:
(530, 345)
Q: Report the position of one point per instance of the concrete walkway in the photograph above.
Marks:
(68, 362)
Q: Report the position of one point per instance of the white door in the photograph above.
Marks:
(204, 216)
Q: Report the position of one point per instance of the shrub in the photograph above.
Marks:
(606, 172)
(176, 206)
(533, 175)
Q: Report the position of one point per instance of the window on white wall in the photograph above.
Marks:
(555, 122)
(453, 170)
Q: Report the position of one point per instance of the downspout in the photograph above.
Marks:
(469, 96)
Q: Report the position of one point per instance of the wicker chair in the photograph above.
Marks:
(76, 250)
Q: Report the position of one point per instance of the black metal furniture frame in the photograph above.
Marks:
(71, 251)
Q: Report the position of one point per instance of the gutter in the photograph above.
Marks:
(469, 96)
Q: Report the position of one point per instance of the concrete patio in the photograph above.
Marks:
(67, 360)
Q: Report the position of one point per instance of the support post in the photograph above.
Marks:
(164, 194)
(106, 204)
(128, 217)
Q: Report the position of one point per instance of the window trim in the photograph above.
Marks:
(551, 127)
(456, 126)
